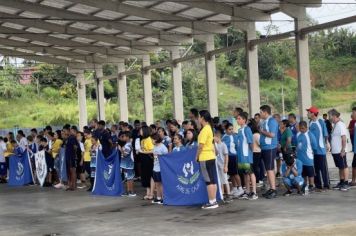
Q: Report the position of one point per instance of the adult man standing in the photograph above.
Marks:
(338, 149)
(71, 148)
(318, 128)
(105, 138)
(268, 142)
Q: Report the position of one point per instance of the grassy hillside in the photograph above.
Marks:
(39, 112)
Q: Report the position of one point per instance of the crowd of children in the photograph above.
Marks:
(254, 149)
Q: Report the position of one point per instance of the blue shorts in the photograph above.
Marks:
(268, 157)
(156, 177)
(3, 169)
(129, 174)
(340, 162)
(293, 183)
(308, 171)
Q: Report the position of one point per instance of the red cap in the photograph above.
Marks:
(313, 109)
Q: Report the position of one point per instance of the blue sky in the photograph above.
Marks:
(327, 12)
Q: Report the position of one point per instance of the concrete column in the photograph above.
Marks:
(299, 14)
(303, 67)
(253, 80)
(122, 93)
(210, 70)
(82, 101)
(177, 86)
(147, 90)
(100, 99)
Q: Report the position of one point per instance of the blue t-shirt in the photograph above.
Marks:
(191, 145)
(230, 141)
(178, 149)
(318, 129)
(298, 165)
(244, 139)
(269, 125)
(306, 145)
(127, 160)
(293, 128)
(158, 150)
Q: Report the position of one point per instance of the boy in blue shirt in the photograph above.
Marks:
(245, 156)
(268, 143)
(318, 128)
(230, 140)
(292, 174)
(305, 145)
(127, 162)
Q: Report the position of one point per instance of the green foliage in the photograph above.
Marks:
(68, 90)
(53, 75)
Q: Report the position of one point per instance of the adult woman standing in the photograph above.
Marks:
(206, 157)
(146, 156)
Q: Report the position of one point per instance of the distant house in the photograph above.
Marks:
(26, 75)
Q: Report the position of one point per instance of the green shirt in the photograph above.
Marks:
(285, 135)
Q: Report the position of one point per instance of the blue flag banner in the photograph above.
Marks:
(183, 183)
(20, 170)
(107, 175)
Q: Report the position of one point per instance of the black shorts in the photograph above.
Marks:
(157, 177)
(340, 162)
(354, 161)
(268, 157)
(208, 170)
(308, 171)
(49, 162)
(71, 161)
(85, 167)
(232, 166)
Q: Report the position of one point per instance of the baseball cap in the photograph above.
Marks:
(313, 109)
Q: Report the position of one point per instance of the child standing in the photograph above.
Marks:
(222, 161)
(230, 139)
(191, 138)
(93, 155)
(306, 143)
(3, 168)
(178, 143)
(127, 162)
(245, 156)
(159, 149)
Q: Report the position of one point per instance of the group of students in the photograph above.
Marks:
(243, 153)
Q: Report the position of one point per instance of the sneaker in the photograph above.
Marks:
(287, 193)
(244, 196)
(156, 201)
(352, 185)
(132, 194)
(210, 206)
(259, 184)
(253, 196)
(343, 188)
(273, 194)
(278, 175)
(78, 181)
(125, 194)
(311, 189)
(240, 191)
(337, 187)
(237, 193)
(81, 186)
(319, 190)
(267, 193)
(227, 198)
(59, 186)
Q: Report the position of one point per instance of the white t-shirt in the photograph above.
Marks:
(336, 141)
(222, 151)
(256, 142)
(2, 150)
(81, 144)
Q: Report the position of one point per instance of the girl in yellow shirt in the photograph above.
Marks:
(146, 152)
(206, 157)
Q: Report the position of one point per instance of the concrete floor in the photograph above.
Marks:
(39, 211)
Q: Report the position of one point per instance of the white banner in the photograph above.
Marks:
(41, 166)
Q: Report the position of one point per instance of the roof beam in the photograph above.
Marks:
(312, 3)
(154, 15)
(63, 42)
(64, 29)
(78, 17)
(29, 56)
(53, 51)
(221, 8)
